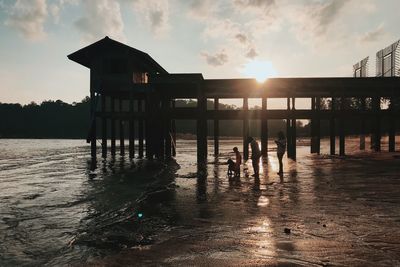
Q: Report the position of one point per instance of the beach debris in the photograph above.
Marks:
(287, 231)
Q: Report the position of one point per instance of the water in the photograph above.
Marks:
(55, 211)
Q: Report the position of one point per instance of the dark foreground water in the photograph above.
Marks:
(55, 211)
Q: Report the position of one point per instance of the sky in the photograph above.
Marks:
(220, 39)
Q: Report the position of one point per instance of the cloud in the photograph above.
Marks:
(102, 17)
(217, 59)
(28, 17)
(242, 38)
(265, 5)
(315, 23)
(155, 13)
(320, 16)
(252, 53)
(201, 9)
(374, 35)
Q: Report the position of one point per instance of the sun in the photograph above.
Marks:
(260, 70)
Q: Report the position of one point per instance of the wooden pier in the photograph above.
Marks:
(131, 93)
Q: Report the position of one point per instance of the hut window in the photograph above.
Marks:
(139, 77)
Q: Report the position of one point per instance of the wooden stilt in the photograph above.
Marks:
(131, 128)
(313, 126)
(392, 129)
(245, 129)
(164, 129)
(167, 133)
(201, 128)
(289, 133)
(121, 131)
(293, 134)
(216, 129)
(318, 126)
(392, 135)
(377, 126)
(113, 125)
(362, 125)
(341, 131)
(140, 129)
(93, 130)
(173, 130)
(332, 135)
(264, 128)
(103, 128)
(149, 134)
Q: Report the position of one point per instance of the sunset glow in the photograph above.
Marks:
(260, 70)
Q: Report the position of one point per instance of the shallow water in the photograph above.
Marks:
(55, 211)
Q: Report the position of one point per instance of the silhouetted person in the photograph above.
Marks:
(255, 155)
(238, 161)
(281, 149)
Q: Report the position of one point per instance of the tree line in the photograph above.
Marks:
(57, 119)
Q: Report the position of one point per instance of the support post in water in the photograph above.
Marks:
(140, 128)
(342, 144)
(93, 118)
(332, 134)
(201, 127)
(313, 126)
(362, 125)
(392, 128)
(173, 130)
(113, 135)
(216, 129)
(264, 127)
(131, 127)
(293, 133)
(318, 126)
(245, 128)
(377, 123)
(288, 131)
(121, 130)
(167, 128)
(104, 127)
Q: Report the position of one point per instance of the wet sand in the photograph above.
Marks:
(340, 212)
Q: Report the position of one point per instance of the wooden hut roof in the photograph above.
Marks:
(86, 55)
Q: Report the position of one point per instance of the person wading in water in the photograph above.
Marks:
(281, 148)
